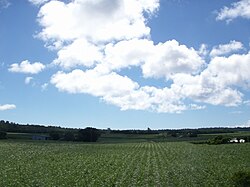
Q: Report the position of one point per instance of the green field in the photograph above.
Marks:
(37, 163)
(136, 138)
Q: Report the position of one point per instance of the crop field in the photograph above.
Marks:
(30, 163)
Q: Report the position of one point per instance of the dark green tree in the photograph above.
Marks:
(55, 135)
(88, 134)
(69, 136)
(3, 135)
(218, 140)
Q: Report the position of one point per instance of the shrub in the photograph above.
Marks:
(55, 135)
(88, 134)
(3, 135)
(192, 135)
(69, 136)
(218, 140)
(241, 179)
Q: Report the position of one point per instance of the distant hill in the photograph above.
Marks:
(7, 126)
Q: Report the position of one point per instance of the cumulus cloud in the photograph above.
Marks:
(44, 86)
(215, 85)
(27, 67)
(96, 21)
(4, 4)
(125, 54)
(93, 82)
(161, 60)
(170, 58)
(122, 91)
(247, 102)
(237, 9)
(38, 2)
(28, 80)
(7, 107)
(225, 49)
(236, 112)
(197, 88)
(203, 51)
(229, 71)
(117, 90)
(80, 52)
(218, 83)
(96, 40)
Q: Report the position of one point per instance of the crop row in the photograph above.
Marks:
(131, 164)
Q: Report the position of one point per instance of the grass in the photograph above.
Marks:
(130, 138)
(48, 163)
(23, 136)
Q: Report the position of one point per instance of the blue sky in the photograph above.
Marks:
(125, 64)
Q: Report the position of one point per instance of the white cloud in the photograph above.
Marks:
(27, 67)
(170, 58)
(121, 91)
(214, 85)
(161, 60)
(96, 40)
(38, 2)
(4, 4)
(198, 89)
(218, 83)
(7, 107)
(203, 51)
(225, 49)
(94, 83)
(128, 53)
(95, 21)
(229, 71)
(236, 112)
(237, 9)
(197, 107)
(247, 102)
(28, 80)
(80, 52)
(44, 86)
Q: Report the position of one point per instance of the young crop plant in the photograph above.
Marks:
(163, 164)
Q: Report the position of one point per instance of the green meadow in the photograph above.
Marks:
(149, 163)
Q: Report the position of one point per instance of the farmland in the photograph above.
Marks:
(38, 163)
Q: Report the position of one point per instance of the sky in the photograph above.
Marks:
(125, 64)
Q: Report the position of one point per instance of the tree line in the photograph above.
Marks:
(88, 134)
(92, 134)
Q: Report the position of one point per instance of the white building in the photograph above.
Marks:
(242, 141)
(234, 140)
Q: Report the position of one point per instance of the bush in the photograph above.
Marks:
(241, 179)
(55, 135)
(192, 135)
(69, 136)
(88, 134)
(218, 140)
(247, 138)
(3, 135)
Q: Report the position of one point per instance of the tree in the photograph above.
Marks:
(3, 135)
(88, 134)
(69, 136)
(55, 135)
(192, 134)
(218, 140)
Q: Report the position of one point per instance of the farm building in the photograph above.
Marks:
(242, 141)
(235, 140)
(39, 137)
